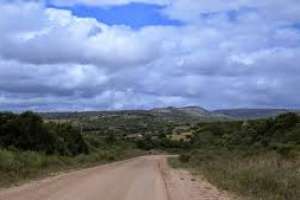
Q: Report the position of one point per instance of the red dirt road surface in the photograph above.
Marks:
(143, 178)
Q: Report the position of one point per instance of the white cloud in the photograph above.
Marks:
(64, 38)
(106, 2)
(51, 59)
(190, 10)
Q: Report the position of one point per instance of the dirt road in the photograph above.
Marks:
(143, 178)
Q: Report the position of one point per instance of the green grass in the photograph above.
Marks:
(20, 166)
(263, 176)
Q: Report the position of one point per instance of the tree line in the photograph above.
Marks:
(28, 132)
(280, 133)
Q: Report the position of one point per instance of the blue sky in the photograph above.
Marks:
(124, 54)
(135, 15)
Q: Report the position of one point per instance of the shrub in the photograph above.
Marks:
(30, 159)
(184, 158)
(7, 160)
(285, 150)
(28, 132)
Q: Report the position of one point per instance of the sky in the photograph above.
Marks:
(66, 55)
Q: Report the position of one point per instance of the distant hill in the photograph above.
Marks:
(190, 112)
(248, 113)
(196, 111)
(182, 114)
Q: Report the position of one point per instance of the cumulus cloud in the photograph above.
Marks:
(106, 2)
(60, 37)
(234, 54)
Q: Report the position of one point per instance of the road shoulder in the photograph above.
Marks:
(182, 185)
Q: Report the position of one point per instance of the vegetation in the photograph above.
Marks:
(258, 159)
(125, 125)
(17, 166)
(261, 175)
(280, 133)
(28, 132)
(31, 148)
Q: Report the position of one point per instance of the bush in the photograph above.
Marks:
(286, 121)
(29, 159)
(263, 133)
(7, 160)
(184, 158)
(28, 132)
(285, 150)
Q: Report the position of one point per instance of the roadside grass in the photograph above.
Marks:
(17, 167)
(260, 175)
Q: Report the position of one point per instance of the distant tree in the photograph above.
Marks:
(110, 139)
(27, 131)
(287, 120)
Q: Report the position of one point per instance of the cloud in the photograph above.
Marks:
(60, 37)
(105, 2)
(190, 10)
(239, 54)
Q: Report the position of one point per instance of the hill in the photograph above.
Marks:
(192, 113)
(247, 113)
(173, 114)
(170, 114)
